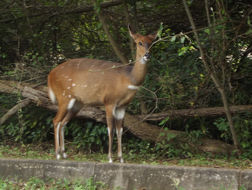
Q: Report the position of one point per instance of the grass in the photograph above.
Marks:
(46, 152)
(51, 184)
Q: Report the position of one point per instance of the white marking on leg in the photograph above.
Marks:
(119, 113)
(133, 87)
(71, 103)
(119, 133)
(63, 141)
(108, 130)
(73, 84)
(119, 138)
(57, 141)
(109, 155)
(52, 96)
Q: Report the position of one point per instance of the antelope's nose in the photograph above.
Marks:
(147, 55)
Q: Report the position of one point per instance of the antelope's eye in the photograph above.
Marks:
(140, 43)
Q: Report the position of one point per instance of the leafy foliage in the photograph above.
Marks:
(39, 35)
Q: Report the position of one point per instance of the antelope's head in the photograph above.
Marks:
(143, 44)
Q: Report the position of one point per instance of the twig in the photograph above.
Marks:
(14, 109)
(156, 103)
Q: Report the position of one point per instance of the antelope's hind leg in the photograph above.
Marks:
(72, 109)
(57, 123)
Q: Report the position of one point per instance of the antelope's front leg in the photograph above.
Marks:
(110, 125)
(119, 132)
(56, 139)
(119, 113)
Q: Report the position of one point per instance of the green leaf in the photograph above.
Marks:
(182, 40)
(173, 39)
(207, 31)
(164, 121)
(159, 33)
(249, 32)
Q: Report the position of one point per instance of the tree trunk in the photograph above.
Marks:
(116, 47)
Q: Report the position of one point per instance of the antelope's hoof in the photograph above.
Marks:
(121, 160)
(58, 156)
(64, 155)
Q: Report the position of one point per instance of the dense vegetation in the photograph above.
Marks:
(187, 69)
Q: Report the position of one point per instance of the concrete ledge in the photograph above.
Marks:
(130, 176)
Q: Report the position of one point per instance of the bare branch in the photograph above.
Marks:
(14, 109)
(64, 10)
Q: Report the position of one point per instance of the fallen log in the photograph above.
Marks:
(200, 112)
(136, 126)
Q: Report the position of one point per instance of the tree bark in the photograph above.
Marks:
(132, 123)
(115, 45)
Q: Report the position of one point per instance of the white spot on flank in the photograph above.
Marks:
(84, 86)
(71, 103)
(119, 113)
(68, 87)
(69, 96)
(133, 87)
(73, 84)
(52, 95)
(70, 79)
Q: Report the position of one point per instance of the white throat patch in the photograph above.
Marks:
(143, 60)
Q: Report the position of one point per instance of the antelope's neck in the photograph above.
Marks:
(139, 71)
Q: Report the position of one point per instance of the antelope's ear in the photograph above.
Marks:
(132, 34)
(153, 36)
